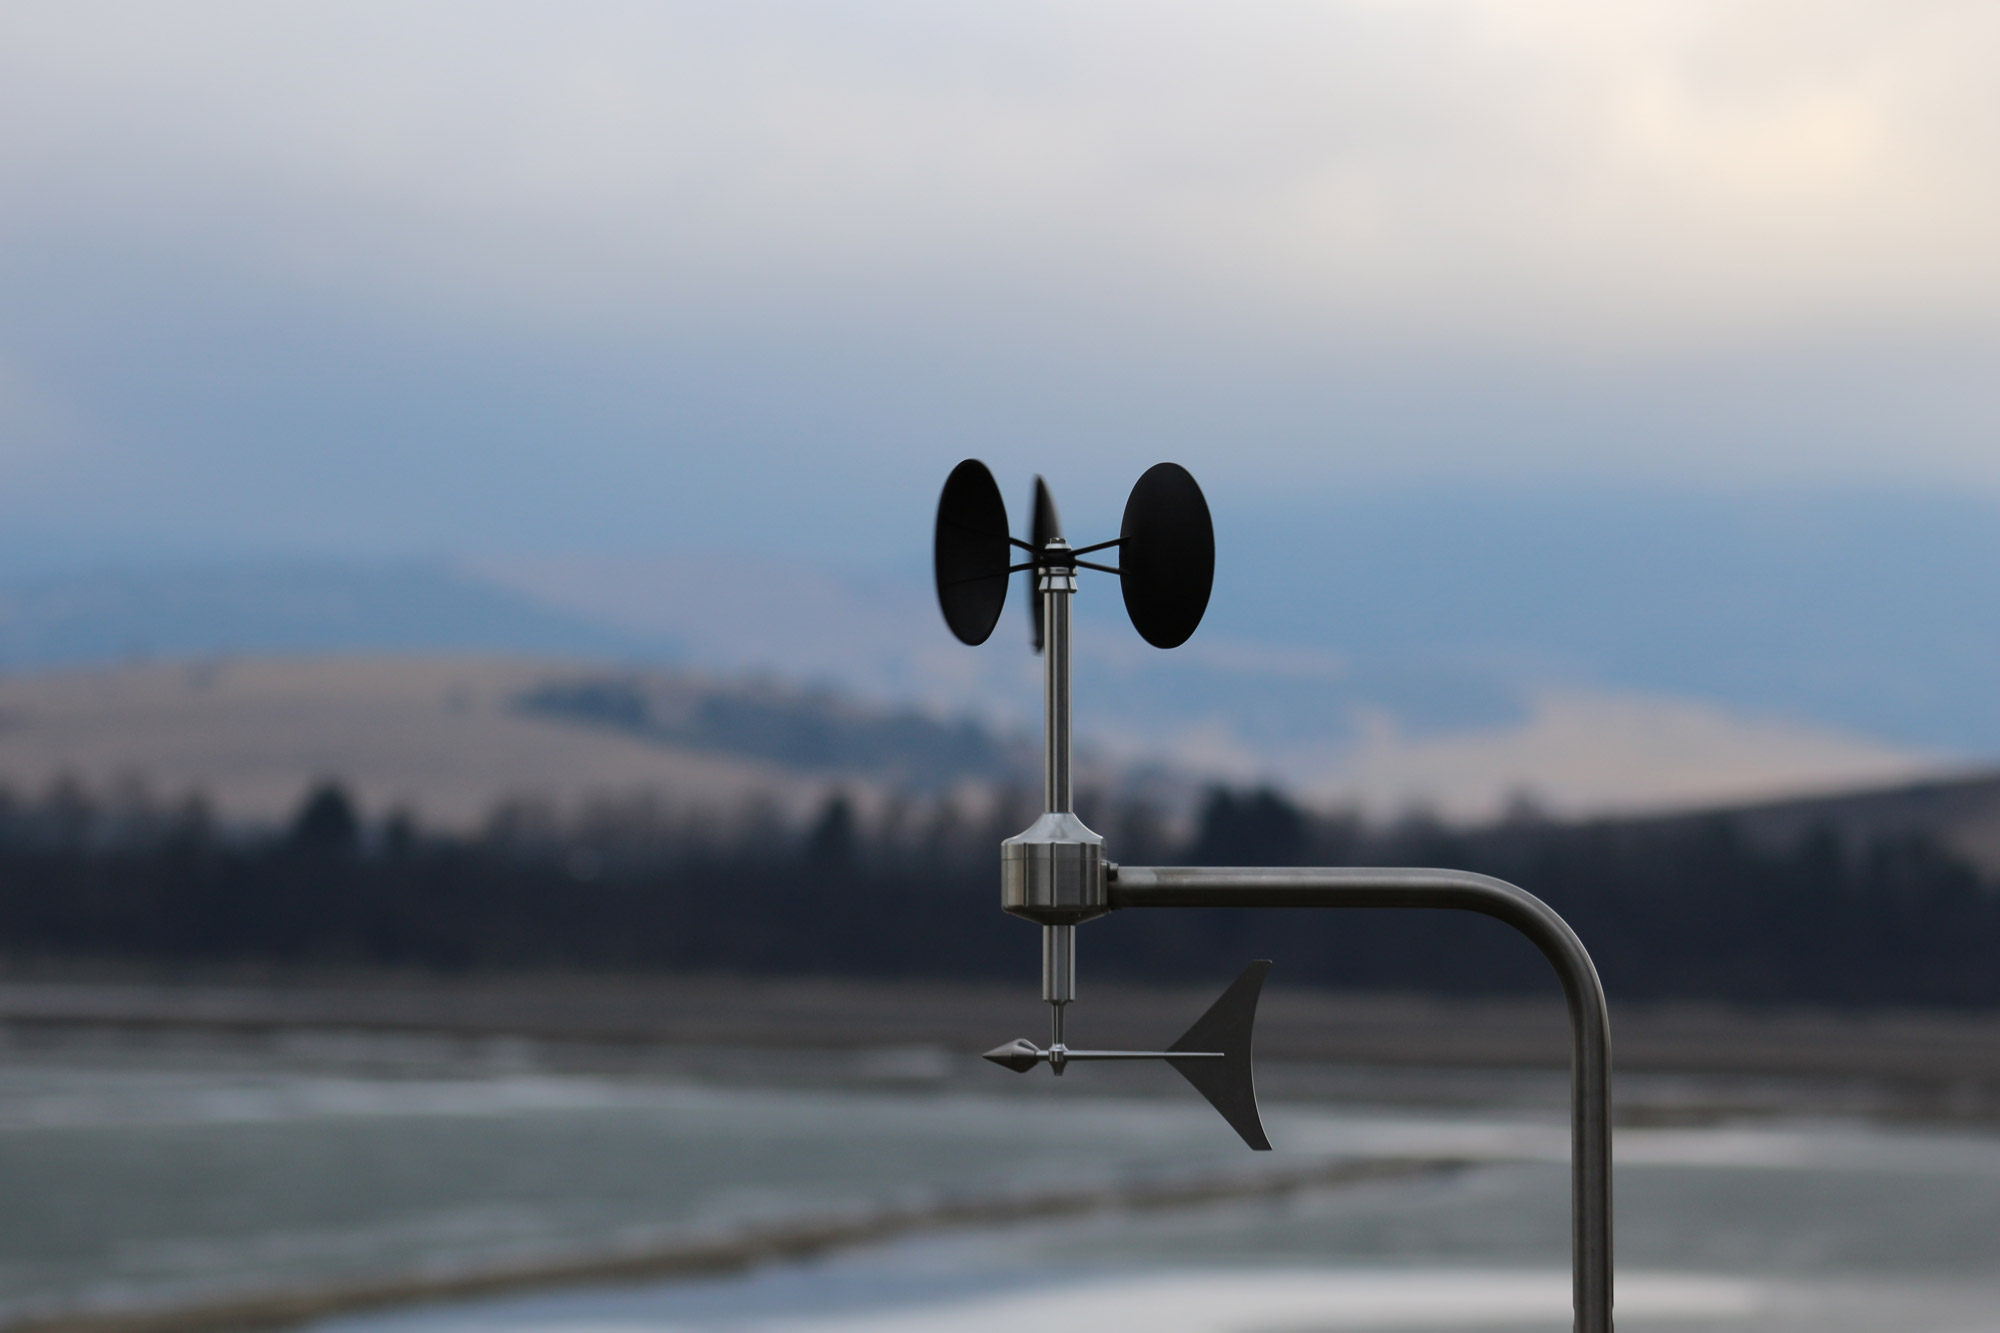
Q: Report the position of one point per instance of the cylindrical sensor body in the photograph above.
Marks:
(1053, 872)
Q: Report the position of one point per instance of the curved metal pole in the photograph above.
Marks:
(1457, 890)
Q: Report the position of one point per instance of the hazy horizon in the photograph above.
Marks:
(1532, 356)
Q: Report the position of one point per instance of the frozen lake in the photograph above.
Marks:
(140, 1175)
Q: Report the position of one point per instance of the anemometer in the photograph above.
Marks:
(1055, 872)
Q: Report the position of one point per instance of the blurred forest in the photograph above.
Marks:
(1692, 908)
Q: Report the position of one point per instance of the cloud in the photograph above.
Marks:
(460, 275)
(38, 426)
(1564, 172)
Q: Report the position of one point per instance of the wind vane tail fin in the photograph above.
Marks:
(1228, 1083)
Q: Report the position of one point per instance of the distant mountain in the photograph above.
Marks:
(814, 731)
(1461, 735)
(1960, 813)
(1871, 610)
(290, 608)
(451, 739)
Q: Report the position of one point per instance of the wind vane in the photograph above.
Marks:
(1055, 872)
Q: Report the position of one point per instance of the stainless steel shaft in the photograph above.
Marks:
(1058, 587)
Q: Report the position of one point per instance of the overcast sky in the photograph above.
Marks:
(495, 277)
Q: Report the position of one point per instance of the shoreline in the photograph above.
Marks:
(1936, 1064)
(716, 1256)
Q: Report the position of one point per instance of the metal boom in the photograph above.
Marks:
(1451, 890)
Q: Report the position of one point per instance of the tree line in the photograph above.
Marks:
(1690, 909)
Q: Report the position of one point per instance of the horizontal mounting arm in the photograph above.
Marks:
(1452, 890)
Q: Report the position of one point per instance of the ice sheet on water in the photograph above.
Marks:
(1212, 1301)
(161, 1180)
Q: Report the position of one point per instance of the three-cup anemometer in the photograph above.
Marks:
(1055, 873)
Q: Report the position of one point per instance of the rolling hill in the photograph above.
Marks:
(451, 738)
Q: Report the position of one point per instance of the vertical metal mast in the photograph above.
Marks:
(1058, 586)
(1053, 872)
